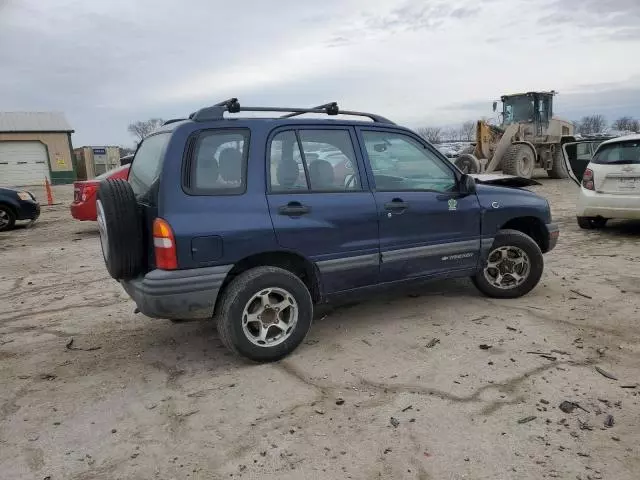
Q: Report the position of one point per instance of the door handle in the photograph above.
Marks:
(294, 209)
(396, 204)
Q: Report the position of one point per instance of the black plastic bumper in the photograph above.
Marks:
(177, 294)
(553, 234)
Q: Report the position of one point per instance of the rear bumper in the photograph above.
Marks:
(606, 205)
(177, 294)
(83, 211)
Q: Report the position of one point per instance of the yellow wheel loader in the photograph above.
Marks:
(528, 137)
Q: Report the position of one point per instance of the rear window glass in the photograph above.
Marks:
(618, 153)
(219, 162)
(147, 163)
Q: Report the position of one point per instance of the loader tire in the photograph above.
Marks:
(467, 163)
(557, 170)
(519, 161)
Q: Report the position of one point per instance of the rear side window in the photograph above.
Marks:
(218, 165)
(147, 163)
(313, 160)
(623, 153)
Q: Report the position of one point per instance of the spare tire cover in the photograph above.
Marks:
(120, 225)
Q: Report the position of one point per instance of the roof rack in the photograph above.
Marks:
(216, 111)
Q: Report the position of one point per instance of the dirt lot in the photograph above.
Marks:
(363, 397)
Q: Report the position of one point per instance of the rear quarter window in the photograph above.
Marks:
(147, 163)
(218, 163)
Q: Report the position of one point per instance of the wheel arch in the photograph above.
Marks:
(9, 205)
(297, 264)
(532, 227)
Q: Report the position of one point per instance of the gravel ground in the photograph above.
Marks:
(369, 394)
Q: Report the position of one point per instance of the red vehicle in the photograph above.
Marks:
(85, 192)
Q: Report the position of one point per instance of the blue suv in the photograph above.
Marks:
(253, 221)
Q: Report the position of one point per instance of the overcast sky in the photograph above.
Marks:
(106, 63)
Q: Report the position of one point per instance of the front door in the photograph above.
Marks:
(321, 206)
(426, 226)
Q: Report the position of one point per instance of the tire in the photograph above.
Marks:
(558, 169)
(519, 160)
(7, 218)
(470, 149)
(241, 296)
(511, 240)
(589, 223)
(467, 163)
(120, 225)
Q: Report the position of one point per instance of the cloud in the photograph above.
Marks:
(106, 63)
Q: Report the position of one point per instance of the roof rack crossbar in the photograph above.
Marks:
(328, 107)
(216, 112)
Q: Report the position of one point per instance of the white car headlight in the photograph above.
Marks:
(24, 196)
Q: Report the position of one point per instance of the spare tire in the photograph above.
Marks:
(120, 225)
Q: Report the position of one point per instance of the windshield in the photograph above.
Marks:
(618, 153)
(518, 109)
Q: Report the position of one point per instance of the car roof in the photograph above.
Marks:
(625, 138)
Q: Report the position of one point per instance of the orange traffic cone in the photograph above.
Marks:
(47, 188)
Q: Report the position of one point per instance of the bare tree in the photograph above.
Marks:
(592, 124)
(431, 134)
(142, 129)
(467, 131)
(626, 124)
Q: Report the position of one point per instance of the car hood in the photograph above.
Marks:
(502, 180)
(8, 190)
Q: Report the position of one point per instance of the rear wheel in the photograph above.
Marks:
(513, 268)
(120, 229)
(264, 313)
(589, 223)
(519, 160)
(557, 170)
(7, 218)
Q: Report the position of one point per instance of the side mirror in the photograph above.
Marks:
(467, 184)
(495, 106)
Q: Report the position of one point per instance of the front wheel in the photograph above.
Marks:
(264, 314)
(7, 218)
(513, 268)
(589, 223)
(467, 163)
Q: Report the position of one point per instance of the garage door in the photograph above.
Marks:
(22, 163)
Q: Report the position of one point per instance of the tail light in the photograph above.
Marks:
(587, 179)
(164, 245)
(89, 190)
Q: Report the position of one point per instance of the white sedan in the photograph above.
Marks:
(610, 183)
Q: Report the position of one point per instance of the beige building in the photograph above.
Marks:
(94, 161)
(35, 146)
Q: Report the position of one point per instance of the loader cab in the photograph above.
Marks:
(532, 107)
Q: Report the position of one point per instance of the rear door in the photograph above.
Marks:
(577, 156)
(320, 203)
(426, 226)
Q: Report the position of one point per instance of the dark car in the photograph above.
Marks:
(17, 205)
(229, 218)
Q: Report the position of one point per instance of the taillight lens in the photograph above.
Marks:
(587, 179)
(164, 245)
(88, 190)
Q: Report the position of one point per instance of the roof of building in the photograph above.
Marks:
(34, 122)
